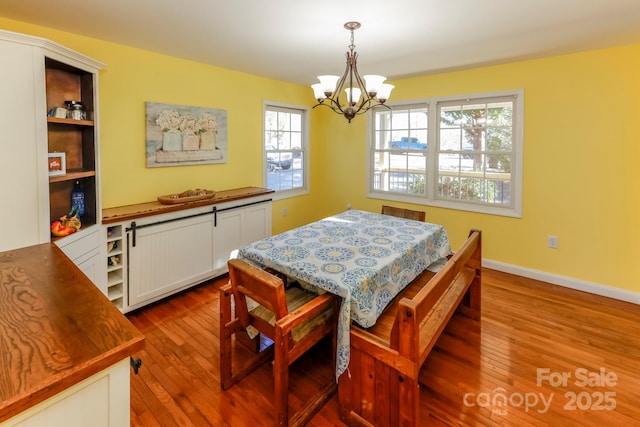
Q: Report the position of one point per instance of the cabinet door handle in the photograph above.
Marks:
(133, 233)
(135, 364)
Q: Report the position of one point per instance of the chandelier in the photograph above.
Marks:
(361, 93)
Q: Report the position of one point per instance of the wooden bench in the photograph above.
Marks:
(381, 386)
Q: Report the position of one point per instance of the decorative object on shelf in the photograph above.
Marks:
(76, 110)
(67, 224)
(57, 164)
(186, 196)
(58, 112)
(182, 135)
(77, 198)
(361, 93)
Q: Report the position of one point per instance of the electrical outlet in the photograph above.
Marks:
(348, 206)
(552, 242)
(284, 212)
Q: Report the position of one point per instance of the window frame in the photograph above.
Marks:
(304, 149)
(429, 197)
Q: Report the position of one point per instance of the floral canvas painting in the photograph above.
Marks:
(179, 135)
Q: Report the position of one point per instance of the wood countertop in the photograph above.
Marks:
(56, 328)
(140, 210)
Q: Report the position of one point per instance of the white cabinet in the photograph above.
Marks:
(238, 226)
(20, 149)
(170, 252)
(85, 250)
(36, 75)
(99, 401)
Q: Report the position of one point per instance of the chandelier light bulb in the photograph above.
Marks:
(384, 91)
(328, 84)
(356, 95)
(373, 83)
(318, 91)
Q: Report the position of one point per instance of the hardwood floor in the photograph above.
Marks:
(541, 355)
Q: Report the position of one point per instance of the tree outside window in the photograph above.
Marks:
(460, 152)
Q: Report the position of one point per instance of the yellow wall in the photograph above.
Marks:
(581, 164)
(132, 77)
(581, 149)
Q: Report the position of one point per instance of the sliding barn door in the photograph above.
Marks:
(168, 256)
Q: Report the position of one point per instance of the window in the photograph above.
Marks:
(400, 149)
(460, 152)
(285, 149)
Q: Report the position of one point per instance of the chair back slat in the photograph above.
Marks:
(404, 213)
(262, 287)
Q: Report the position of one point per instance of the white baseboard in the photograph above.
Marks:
(567, 282)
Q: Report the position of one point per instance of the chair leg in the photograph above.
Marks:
(225, 339)
(228, 328)
(281, 378)
(281, 403)
(281, 385)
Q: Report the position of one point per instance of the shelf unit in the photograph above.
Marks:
(75, 138)
(115, 266)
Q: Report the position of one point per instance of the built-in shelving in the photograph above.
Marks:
(115, 266)
(73, 122)
(75, 138)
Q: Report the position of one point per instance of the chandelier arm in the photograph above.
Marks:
(366, 99)
(332, 104)
(335, 97)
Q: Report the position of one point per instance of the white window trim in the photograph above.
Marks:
(306, 188)
(429, 199)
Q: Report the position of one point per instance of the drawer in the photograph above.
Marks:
(80, 242)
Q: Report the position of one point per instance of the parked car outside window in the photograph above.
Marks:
(278, 159)
(408, 143)
(285, 149)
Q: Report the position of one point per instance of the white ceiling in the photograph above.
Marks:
(295, 40)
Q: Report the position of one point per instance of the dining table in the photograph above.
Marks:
(365, 258)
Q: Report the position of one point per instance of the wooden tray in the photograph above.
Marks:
(168, 200)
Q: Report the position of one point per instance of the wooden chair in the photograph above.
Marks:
(403, 213)
(293, 319)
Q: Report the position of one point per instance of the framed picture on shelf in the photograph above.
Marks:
(57, 164)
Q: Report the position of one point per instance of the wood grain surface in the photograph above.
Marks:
(140, 210)
(56, 328)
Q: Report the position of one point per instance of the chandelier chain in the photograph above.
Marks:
(353, 44)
